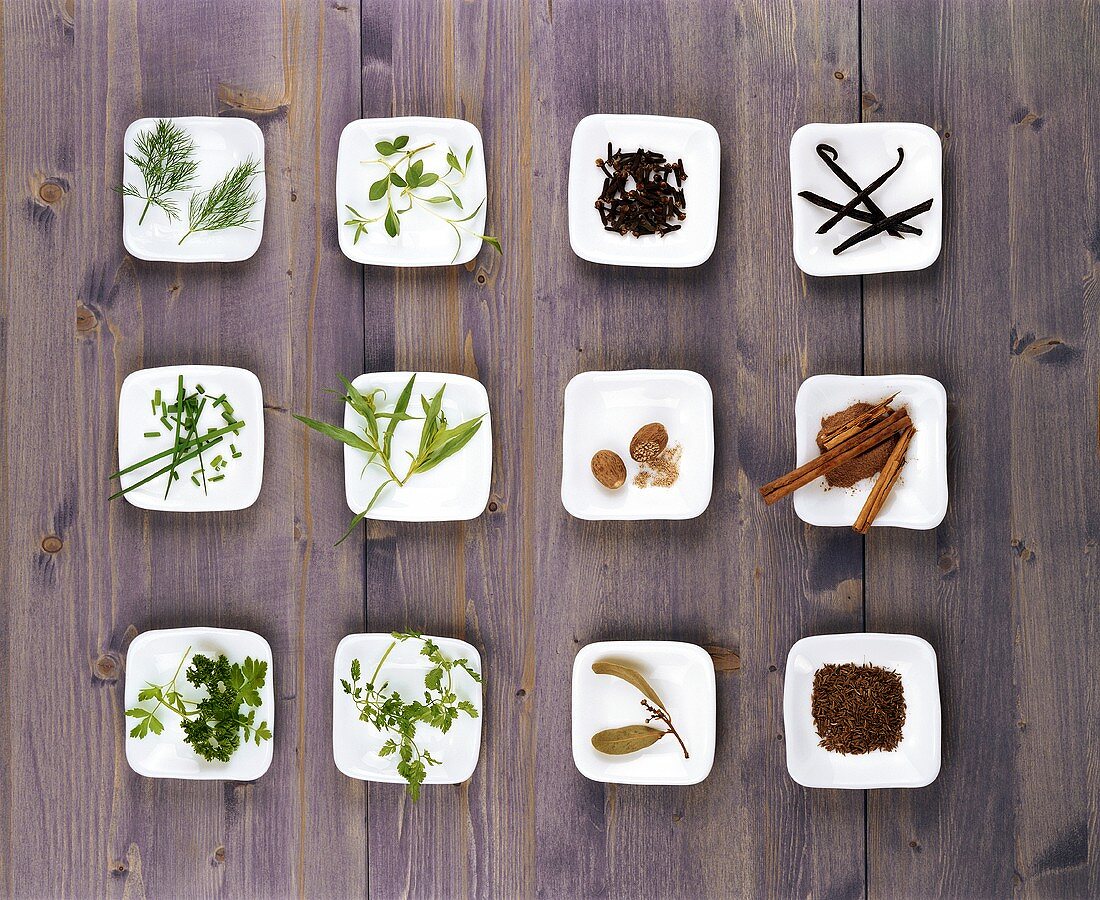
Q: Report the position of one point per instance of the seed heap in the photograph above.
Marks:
(858, 709)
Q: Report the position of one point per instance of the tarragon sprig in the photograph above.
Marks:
(400, 190)
(165, 158)
(438, 441)
(390, 714)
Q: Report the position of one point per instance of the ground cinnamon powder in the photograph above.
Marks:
(863, 466)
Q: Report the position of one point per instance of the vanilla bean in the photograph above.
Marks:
(885, 225)
(829, 156)
(858, 214)
(864, 195)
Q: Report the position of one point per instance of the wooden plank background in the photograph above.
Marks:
(1006, 589)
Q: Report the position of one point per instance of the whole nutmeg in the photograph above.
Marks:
(649, 442)
(609, 469)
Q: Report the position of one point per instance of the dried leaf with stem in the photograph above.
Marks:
(632, 738)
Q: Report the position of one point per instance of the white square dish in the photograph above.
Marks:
(243, 475)
(866, 150)
(916, 760)
(603, 410)
(355, 743)
(152, 658)
(220, 144)
(694, 141)
(457, 488)
(919, 499)
(682, 675)
(424, 239)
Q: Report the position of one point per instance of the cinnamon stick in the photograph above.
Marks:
(860, 443)
(845, 430)
(887, 478)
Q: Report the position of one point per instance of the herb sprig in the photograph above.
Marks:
(400, 190)
(213, 726)
(228, 204)
(438, 440)
(165, 158)
(390, 714)
(182, 420)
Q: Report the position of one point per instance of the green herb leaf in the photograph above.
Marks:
(396, 179)
(399, 410)
(385, 148)
(400, 142)
(166, 159)
(336, 433)
(393, 224)
(428, 180)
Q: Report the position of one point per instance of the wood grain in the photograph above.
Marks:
(1005, 589)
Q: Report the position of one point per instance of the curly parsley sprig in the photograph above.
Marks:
(392, 715)
(214, 726)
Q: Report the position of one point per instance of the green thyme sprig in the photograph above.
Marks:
(401, 191)
(165, 158)
(213, 726)
(438, 441)
(390, 714)
(228, 204)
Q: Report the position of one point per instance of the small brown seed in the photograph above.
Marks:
(609, 469)
(649, 442)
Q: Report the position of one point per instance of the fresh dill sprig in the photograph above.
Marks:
(228, 204)
(165, 158)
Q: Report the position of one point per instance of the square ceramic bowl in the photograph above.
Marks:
(916, 760)
(456, 489)
(153, 658)
(693, 141)
(603, 410)
(220, 144)
(243, 475)
(919, 498)
(424, 239)
(355, 743)
(683, 677)
(865, 151)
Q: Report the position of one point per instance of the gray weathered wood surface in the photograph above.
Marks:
(1006, 589)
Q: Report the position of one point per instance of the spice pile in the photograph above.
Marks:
(659, 464)
(855, 443)
(637, 197)
(857, 709)
(895, 225)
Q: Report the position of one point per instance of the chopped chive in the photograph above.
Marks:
(197, 483)
(220, 400)
(217, 478)
(152, 434)
(156, 397)
(166, 423)
(228, 417)
(217, 461)
(200, 389)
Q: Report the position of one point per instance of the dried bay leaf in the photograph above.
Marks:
(628, 739)
(631, 676)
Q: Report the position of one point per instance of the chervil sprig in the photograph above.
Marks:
(390, 714)
(165, 158)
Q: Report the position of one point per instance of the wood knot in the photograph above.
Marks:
(724, 659)
(51, 543)
(107, 667)
(50, 192)
(870, 101)
(494, 506)
(481, 279)
(85, 318)
(118, 867)
(219, 855)
(838, 75)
